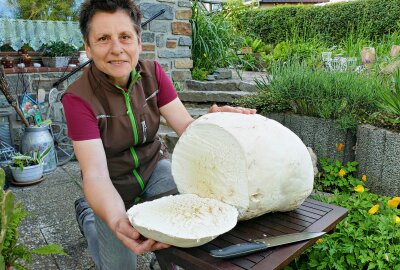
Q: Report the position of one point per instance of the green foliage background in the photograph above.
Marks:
(305, 90)
(62, 10)
(333, 23)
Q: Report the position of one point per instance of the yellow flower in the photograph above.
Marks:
(396, 199)
(373, 209)
(393, 203)
(397, 219)
(341, 173)
(386, 257)
(359, 188)
(320, 241)
(364, 177)
(339, 147)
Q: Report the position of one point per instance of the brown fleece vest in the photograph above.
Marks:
(116, 131)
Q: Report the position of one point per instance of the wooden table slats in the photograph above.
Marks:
(312, 215)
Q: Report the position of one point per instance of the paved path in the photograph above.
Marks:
(53, 221)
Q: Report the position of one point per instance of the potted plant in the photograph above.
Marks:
(11, 252)
(57, 53)
(27, 168)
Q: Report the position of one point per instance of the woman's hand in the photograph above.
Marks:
(131, 238)
(215, 108)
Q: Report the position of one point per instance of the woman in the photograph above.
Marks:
(113, 112)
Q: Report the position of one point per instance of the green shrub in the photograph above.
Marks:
(366, 19)
(57, 48)
(199, 74)
(13, 253)
(264, 101)
(308, 51)
(213, 39)
(382, 120)
(390, 101)
(368, 238)
(343, 96)
(363, 240)
(336, 176)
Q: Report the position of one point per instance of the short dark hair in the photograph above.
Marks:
(90, 7)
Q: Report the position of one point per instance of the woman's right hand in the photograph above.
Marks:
(131, 238)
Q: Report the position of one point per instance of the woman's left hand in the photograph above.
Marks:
(215, 108)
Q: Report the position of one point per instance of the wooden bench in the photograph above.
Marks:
(312, 216)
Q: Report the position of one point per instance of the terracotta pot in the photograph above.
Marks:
(26, 59)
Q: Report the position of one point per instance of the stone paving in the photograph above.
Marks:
(51, 204)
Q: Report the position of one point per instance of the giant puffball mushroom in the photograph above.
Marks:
(184, 220)
(247, 161)
(227, 166)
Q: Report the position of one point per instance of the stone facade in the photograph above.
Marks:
(167, 39)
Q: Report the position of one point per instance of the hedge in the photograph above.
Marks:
(367, 19)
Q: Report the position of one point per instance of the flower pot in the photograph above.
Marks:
(59, 61)
(28, 174)
(82, 57)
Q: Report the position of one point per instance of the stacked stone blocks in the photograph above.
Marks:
(167, 39)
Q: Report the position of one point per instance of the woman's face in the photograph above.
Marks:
(114, 45)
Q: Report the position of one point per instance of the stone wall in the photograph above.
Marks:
(378, 154)
(321, 135)
(167, 39)
(33, 81)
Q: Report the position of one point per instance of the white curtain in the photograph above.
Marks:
(16, 32)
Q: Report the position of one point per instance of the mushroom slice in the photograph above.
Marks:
(185, 220)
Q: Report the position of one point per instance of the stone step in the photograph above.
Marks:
(221, 85)
(211, 96)
(195, 112)
(168, 135)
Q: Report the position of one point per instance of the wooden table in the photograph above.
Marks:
(312, 216)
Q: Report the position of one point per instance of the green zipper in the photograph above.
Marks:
(135, 76)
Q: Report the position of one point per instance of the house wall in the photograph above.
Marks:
(168, 38)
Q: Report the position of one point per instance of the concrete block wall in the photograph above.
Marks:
(167, 39)
(321, 135)
(378, 154)
(376, 150)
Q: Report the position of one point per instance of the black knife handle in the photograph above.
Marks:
(237, 250)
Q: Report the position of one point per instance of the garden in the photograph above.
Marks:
(338, 62)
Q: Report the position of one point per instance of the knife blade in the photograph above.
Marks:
(262, 244)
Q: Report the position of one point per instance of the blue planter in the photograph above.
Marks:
(28, 174)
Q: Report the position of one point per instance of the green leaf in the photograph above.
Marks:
(2, 263)
(49, 249)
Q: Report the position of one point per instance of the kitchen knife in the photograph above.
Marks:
(262, 244)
